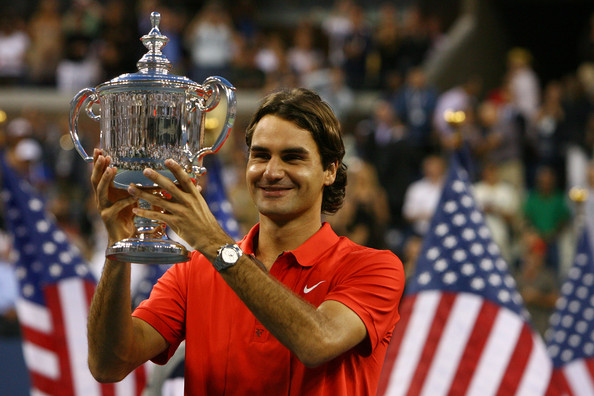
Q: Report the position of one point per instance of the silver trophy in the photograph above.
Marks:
(145, 118)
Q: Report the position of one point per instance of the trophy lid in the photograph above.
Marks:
(153, 67)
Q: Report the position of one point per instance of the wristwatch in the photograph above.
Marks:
(227, 257)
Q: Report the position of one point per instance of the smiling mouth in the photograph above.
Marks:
(270, 190)
(274, 188)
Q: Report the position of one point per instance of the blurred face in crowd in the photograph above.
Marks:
(434, 168)
(545, 180)
(416, 78)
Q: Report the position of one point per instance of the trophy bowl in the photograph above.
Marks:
(145, 118)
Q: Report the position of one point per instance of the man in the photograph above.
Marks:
(292, 309)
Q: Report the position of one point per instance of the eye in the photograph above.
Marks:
(292, 157)
(259, 155)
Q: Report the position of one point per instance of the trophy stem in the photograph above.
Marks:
(142, 224)
(150, 244)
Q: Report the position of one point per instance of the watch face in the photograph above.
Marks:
(229, 255)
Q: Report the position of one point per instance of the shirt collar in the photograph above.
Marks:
(308, 252)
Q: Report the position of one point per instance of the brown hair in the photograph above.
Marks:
(308, 111)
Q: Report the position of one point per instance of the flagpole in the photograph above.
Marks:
(579, 195)
(455, 119)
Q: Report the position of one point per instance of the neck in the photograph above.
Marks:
(276, 237)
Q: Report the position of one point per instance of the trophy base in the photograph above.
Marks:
(148, 251)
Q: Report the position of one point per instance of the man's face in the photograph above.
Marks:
(284, 173)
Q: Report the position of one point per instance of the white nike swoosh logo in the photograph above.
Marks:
(308, 289)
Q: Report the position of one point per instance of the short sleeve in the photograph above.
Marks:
(371, 285)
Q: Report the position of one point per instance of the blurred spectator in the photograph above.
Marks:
(589, 204)
(26, 159)
(78, 70)
(83, 19)
(586, 43)
(523, 82)
(578, 107)
(416, 41)
(337, 26)
(545, 132)
(210, 41)
(245, 73)
(383, 141)
(14, 44)
(144, 8)
(415, 103)
(330, 84)
(365, 214)
(17, 129)
(500, 202)
(501, 141)
(47, 43)
(172, 26)
(463, 97)
(271, 54)
(357, 46)
(244, 14)
(410, 254)
(546, 213)
(9, 290)
(387, 37)
(120, 47)
(80, 66)
(422, 196)
(303, 56)
(272, 59)
(537, 283)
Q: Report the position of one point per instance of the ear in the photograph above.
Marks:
(330, 173)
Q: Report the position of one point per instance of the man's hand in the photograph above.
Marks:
(114, 205)
(185, 210)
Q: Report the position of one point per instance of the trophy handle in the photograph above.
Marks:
(88, 97)
(215, 84)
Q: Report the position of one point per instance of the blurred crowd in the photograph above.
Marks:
(530, 141)
(79, 43)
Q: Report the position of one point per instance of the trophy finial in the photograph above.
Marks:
(155, 19)
(154, 41)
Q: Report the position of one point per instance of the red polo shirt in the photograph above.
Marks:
(228, 352)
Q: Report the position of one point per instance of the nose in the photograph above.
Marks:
(274, 169)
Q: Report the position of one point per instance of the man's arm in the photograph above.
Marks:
(118, 343)
(314, 335)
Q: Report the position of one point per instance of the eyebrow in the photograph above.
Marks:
(289, 150)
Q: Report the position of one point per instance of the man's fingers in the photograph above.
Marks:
(186, 183)
(103, 187)
(162, 181)
(153, 215)
(152, 198)
(120, 205)
(99, 166)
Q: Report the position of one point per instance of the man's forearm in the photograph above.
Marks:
(310, 334)
(110, 329)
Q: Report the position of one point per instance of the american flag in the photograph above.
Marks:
(56, 287)
(463, 327)
(216, 197)
(570, 337)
